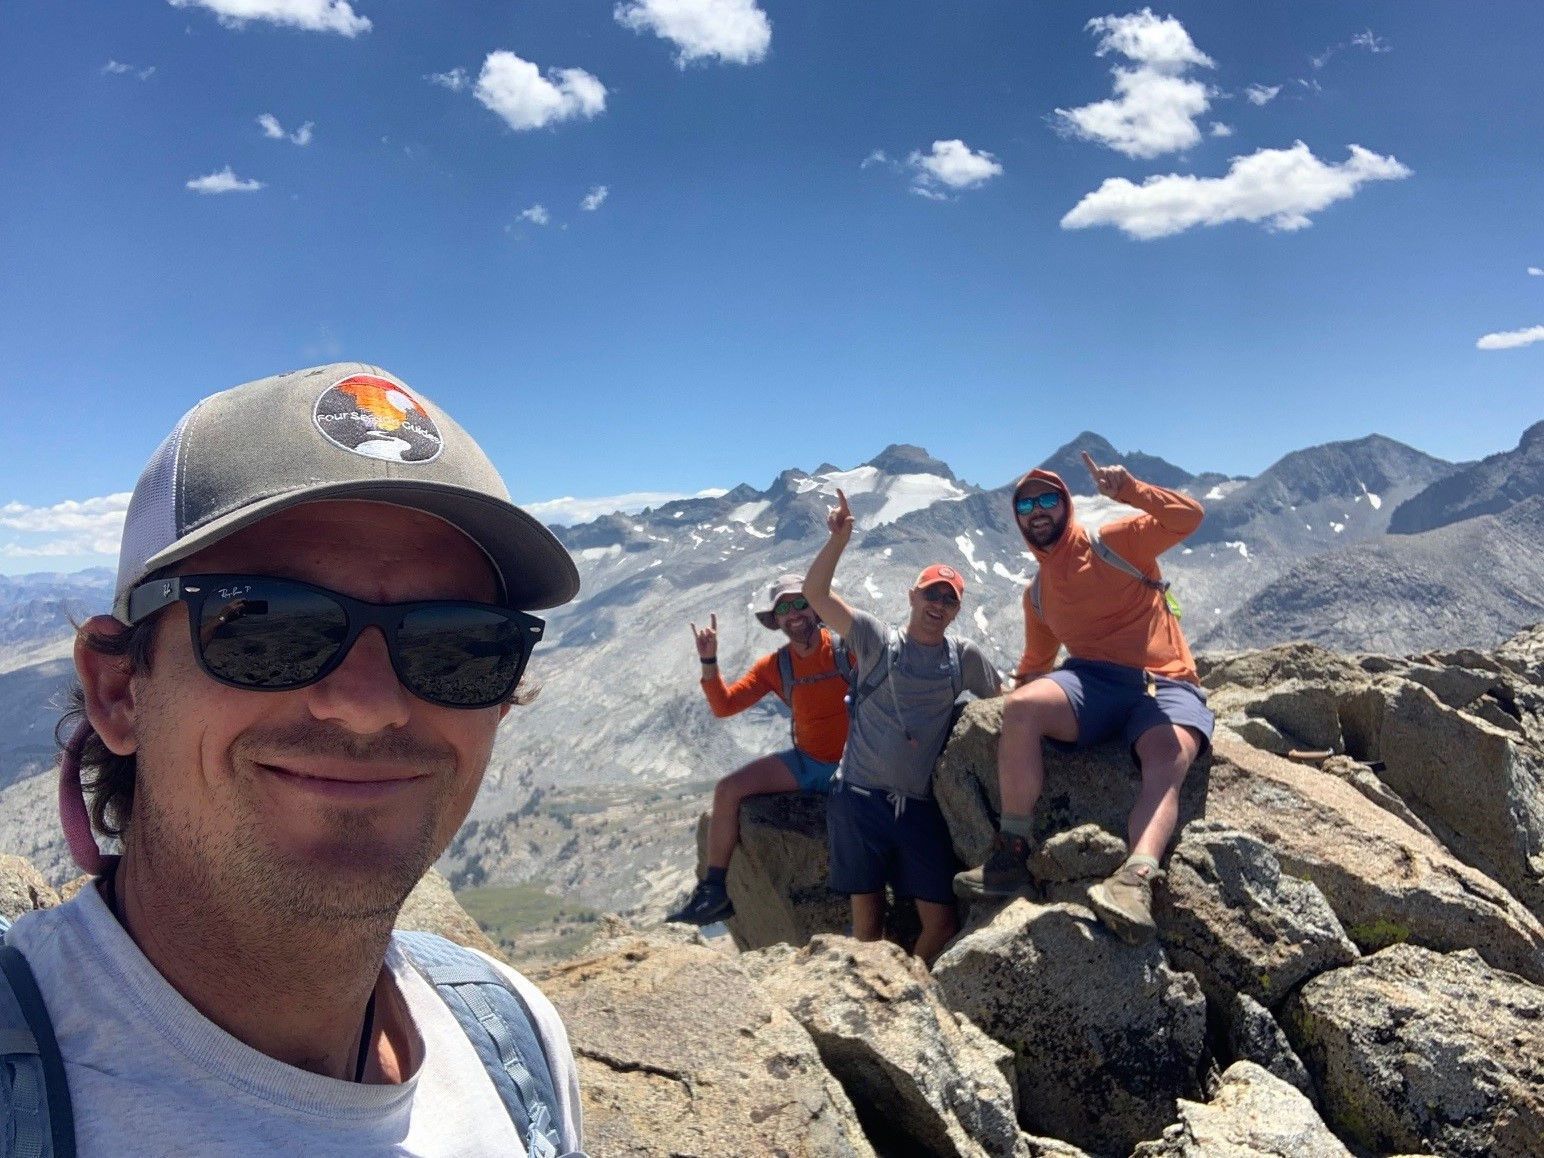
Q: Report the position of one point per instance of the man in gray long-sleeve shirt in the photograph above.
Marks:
(884, 825)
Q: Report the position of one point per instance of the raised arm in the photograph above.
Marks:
(831, 608)
(722, 700)
(1167, 516)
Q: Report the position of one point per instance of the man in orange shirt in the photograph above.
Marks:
(815, 664)
(1128, 670)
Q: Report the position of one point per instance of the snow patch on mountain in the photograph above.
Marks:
(968, 548)
(748, 512)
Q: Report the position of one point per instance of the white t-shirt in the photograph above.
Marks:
(148, 1074)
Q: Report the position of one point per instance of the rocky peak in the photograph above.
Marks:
(1067, 461)
(901, 458)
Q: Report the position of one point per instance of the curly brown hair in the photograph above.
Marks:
(107, 777)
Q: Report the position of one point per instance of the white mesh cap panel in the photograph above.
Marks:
(151, 522)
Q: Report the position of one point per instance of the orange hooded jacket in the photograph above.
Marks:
(1097, 611)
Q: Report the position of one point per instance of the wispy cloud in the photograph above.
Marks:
(877, 157)
(1276, 187)
(275, 131)
(455, 80)
(568, 512)
(595, 198)
(536, 214)
(517, 91)
(733, 31)
(118, 68)
(950, 166)
(1155, 107)
(1371, 41)
(1262, 94)
(308, 15)
(1511, 339)
(1220, 130)
(1535, 271)
(70, 528)
(225, 181)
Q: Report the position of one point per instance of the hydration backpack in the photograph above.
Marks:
(844, 670)
(37, 1121)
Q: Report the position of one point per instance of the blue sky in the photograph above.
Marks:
(671, 245)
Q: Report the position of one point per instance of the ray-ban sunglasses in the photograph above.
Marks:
(263, 633)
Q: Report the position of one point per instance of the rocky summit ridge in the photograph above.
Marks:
(1350, 951)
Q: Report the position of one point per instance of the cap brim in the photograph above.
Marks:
(535, 569)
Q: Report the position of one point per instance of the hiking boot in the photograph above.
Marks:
(1124, 902)
(709, 902)
(1005, 874)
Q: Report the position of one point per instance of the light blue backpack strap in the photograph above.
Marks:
(956, 674)
(499, 1025)
(843, 657)
(785, 675)
(1121, 563)
(877, 674)
(36, 1119)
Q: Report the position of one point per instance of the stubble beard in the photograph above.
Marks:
(361, 876)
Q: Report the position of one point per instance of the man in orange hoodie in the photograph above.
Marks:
(1129, 670)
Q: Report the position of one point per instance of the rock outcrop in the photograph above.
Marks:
(1253, 1112)
(1420, 1051)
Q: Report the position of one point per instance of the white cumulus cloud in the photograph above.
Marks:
(308, 15)
(734, 31)
(1279, 187)
(1155, 106)
(1511, 339)
(536, 214)
(1221, 130)
(516, 90)
(595, 198)
(225, 181)
(1535, 271)
(70, 528)
(950, 165)
(274, 131)
(1262, 94)
(455, 80)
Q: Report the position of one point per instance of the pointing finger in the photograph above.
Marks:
(1088, 461)
(713, 621)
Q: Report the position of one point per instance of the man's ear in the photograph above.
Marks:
(109, 686)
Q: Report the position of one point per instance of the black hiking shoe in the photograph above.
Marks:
(1005, 874)
(709, 902)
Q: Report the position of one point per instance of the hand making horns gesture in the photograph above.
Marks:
(839, 519)
(707, 638)
(1109, 479)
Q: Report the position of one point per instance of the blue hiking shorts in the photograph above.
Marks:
(813, 775)
(877, 839)
(1110, 697)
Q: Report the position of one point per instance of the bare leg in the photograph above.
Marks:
(939, 923)
(759, 777)
(1033, 712)
(868, 916)
(1165, 753)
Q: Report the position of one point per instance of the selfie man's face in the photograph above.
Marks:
(339, 795)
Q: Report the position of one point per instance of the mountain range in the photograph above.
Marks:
(1365, 544)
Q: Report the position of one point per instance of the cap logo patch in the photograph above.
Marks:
(946, 572)
(377, 418)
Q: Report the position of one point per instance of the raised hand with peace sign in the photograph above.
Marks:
(1108, 479)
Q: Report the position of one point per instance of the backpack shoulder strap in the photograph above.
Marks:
(1034, 596)
(878, 673)
(36, 1118)
(785, 674)
(955, 673)
(843, 657)
(1108, 554)
(497, 1021)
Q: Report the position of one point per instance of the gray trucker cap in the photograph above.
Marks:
(344, 431)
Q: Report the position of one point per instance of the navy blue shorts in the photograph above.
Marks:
(813, 775)
(1110, 697)
(872, 846)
